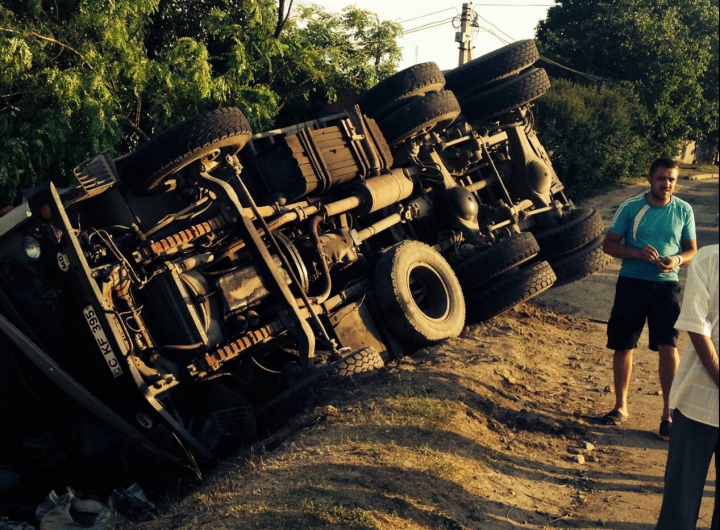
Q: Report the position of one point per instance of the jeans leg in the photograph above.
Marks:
(692, 446)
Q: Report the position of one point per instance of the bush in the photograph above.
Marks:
(597, 134)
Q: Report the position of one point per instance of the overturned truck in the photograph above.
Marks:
(182, 296)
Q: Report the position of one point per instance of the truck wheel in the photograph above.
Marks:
(434, 111)
(239, 422)
(419, 295)
(389, 94)
(278, 410)
(145, 170)
(282, 407)
(359, 362)
(493, 261)
(491, 67)
(506, 95)
(586, 261)
(579, 227)
(511, 290)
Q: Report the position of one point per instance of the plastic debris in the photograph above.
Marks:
(69, 512)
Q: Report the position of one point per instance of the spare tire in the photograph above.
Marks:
(358, 362)
(281, 407)
(418, 294)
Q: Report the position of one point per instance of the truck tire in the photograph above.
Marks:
(506, 95)
(145, 170)
(584, 262)
(434, 111)
(358, 362)
(239, 422)
(491, 67)
(487, 264)
(509, 291)
(282, 407)
(579, 227)
(390, 93)
(419, 295)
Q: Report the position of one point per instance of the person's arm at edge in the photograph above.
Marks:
(707, 353)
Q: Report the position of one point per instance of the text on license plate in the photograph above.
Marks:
(102, 341)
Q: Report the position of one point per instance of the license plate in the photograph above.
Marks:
(102, 341)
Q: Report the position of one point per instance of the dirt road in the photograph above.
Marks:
(628, 489)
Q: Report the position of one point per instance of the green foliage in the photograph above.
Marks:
(83, 76)
(667, 50)
(596, 133)
(351, 50)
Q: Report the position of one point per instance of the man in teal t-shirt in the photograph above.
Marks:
(653, 233)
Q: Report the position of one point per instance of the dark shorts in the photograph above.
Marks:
(640, 300)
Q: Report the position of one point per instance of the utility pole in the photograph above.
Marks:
(462, 37)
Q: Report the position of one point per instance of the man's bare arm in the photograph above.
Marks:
(689, 248)
(668, 263)
(707, 353)
(612, 245)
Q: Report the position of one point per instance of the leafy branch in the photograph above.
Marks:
(51, 40)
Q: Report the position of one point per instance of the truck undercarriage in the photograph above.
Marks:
(181, 297)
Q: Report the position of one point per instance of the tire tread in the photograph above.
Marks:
(510, 291)
(491, 67)
(506, 95)
(482, 267)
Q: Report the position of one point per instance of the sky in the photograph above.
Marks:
(428, 25)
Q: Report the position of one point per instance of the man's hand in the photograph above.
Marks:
(667, 264)
(648, 253)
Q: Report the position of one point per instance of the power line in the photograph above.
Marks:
(515, 5)
(512, 39)
(428, 15)
(591, 77)
(429, 25)
(504, 39)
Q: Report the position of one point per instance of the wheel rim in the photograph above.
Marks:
(429, 293)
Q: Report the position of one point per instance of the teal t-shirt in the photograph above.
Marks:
(664, 227)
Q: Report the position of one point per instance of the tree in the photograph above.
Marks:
(83, 76)
(350, 50)
(71, 74)
(596, 134)
(667, 50)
